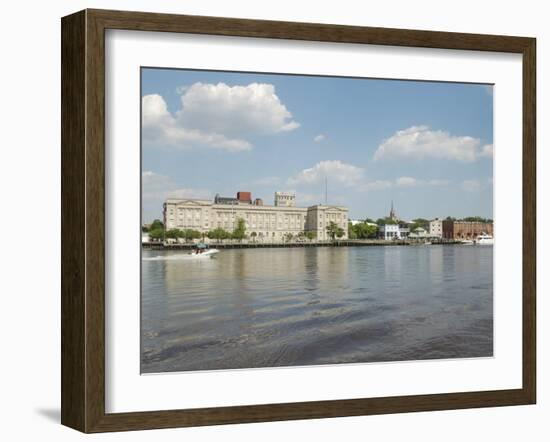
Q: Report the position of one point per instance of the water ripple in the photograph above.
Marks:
(287, 307)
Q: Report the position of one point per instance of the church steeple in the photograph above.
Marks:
(393, 215)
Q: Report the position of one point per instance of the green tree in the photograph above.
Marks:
(218, 234)
(351, 231)
(333, 230)
(253, 235)
(371, 231)
(156, 234)
(288, 236)
(240, 231)
(190, 234)
(174, 234)
(365, 231)
(311, 235)
(382, 221)
(477, 219)
(156, 224)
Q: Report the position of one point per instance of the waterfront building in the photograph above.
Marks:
(465, 229)
(389, 232)
(269, 223)
(436, 228)
(404, 231)
(393, 231)
(419, 233)
(320, 216)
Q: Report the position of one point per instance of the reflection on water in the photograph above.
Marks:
(308, 306)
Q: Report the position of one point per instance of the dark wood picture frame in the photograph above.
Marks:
(83, 220)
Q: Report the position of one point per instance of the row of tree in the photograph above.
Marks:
(156, 232)
(363, 230)
(475, 219)
(366, 229)
(239, 233)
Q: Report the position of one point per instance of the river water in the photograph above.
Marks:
(320, 305)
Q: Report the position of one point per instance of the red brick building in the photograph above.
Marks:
(465, 229)
(244, 197)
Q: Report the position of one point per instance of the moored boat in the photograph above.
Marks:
(484, 240)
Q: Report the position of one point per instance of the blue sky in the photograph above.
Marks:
(428, 146)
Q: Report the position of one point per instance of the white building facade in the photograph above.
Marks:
(436, 228)
(268, 223)
(319, 217)
(390, 232)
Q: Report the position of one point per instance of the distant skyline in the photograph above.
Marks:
(428, 146)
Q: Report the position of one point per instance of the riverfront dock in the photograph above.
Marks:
(260, 245)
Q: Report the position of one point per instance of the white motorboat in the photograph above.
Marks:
(467, 242)
(202, 250)
(202, 253)
(485, 240)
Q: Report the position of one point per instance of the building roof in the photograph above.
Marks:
(251, 206)
(181, 200)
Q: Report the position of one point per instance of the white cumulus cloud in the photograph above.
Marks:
(334, 170)
(406, 181)
(486, 151)
(215, 116)
(161, 128)
(401, 182)
(219, 108)
(418, 142)
(157, 187)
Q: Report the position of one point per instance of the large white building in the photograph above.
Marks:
(269, 223)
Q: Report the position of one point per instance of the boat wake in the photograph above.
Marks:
(174, 258)
(182, 257)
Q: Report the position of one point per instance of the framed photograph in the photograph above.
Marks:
(268, 221)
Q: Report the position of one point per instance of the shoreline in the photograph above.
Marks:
(343, 243)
